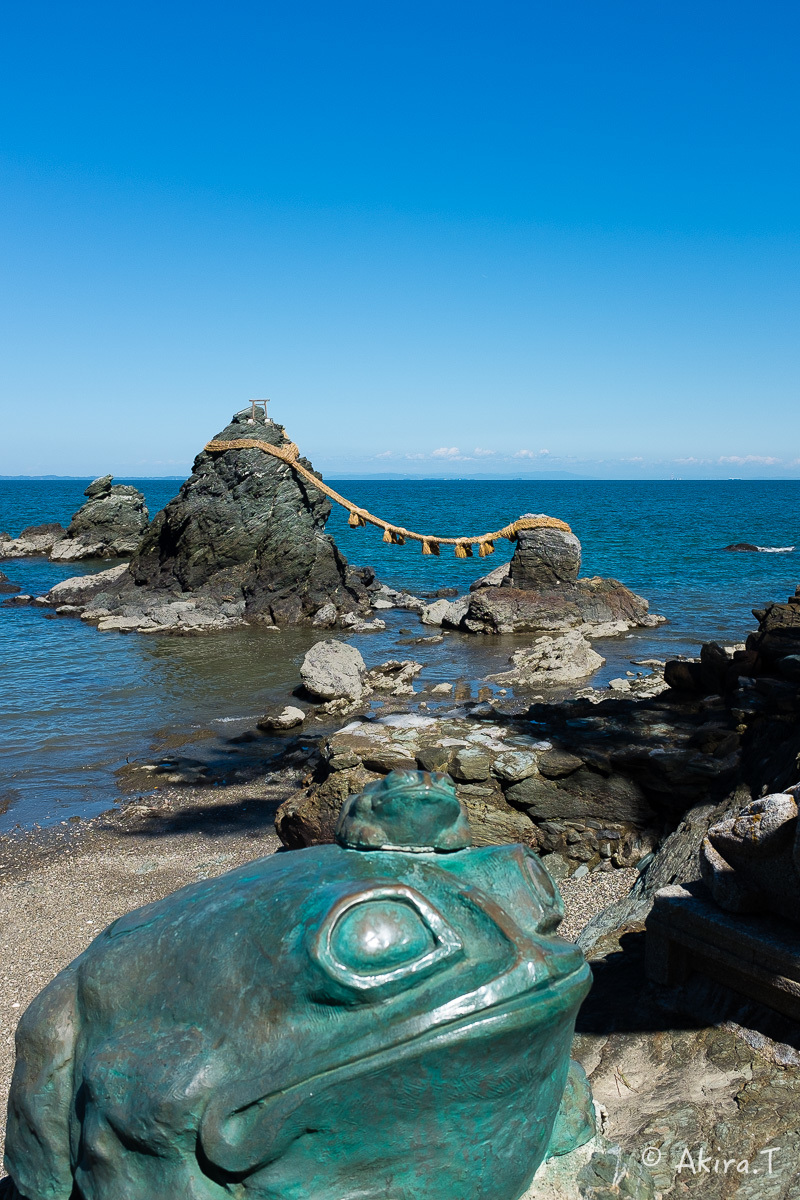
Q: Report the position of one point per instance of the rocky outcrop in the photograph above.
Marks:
(539, 592)
(551, 661)
(243, 541)
(515, 787)
(594, 607)
(750, 861)
(73, 595)
(543, 558)
(771, 652)
(6, 586)
(34, 540)
(110, 524)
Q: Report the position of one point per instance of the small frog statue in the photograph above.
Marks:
(385, 1018)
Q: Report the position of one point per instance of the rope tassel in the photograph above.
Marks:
(387, 536)
(486, 548)
(463, 550)
(353, 520)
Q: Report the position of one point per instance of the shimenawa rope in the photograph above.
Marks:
(289, 454)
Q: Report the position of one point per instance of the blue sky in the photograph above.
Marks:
(444, 238)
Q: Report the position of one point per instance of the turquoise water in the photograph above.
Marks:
(76, 705)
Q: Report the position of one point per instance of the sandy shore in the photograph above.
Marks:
(58, 892)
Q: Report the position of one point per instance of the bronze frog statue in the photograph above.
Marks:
(385, 1018)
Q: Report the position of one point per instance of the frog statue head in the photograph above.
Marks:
(385, 1018)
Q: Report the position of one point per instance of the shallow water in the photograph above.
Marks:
(76, 704)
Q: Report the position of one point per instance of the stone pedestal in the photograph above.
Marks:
(759, 957)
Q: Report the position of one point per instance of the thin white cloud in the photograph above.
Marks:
(385, 454)
(531, 454)
(740, 459)
(480, 453)
(447, 452)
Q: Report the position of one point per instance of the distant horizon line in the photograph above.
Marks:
(394, 477)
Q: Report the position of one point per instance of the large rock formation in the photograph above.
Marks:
(110, 524)
(244, 540)
(539, 592)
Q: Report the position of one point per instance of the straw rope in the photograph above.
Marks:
(289, 454)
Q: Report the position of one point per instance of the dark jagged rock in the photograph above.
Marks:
(244, 540)
(245, 527)
(742, 548)
(110, 524)
(772, 650)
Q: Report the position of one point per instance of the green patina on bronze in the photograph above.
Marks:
(335, 1023)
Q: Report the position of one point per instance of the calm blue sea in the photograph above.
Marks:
(76, 705)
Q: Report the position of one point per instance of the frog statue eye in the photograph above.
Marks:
(379, 938)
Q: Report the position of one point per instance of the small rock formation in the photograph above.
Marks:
(287, 718)
(742, 548)
(334, 671)
(773, 650)
(110, 524)
(543, 558)
(6, 586)
(449, 613)
(750, 862)
(395, 676)
(243, 541)
(551, 660)
(34, 540)
(539, 592)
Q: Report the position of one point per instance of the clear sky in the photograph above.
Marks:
(444, 237)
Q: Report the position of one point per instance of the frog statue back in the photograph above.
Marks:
(385, 1018)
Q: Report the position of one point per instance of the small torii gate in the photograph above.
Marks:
(262, 402)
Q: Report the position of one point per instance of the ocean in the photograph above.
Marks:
(76, 705)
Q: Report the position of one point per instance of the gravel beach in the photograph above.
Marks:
(58, 891)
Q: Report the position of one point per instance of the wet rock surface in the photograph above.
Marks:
(7, 588)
